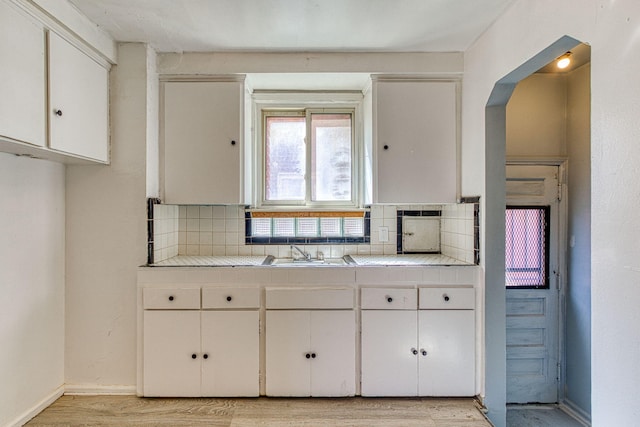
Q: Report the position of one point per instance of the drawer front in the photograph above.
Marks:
(230, 297)
(388, 299)
(447, 298)
(171, 298)
(287, 299)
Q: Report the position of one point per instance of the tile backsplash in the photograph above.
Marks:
(220, 230)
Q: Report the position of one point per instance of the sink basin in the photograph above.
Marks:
(292, 262)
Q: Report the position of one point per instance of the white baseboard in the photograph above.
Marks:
(95, 389)
(575, 412)
(37, 408)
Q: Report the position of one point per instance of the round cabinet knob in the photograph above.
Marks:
(205, 356)
(313, 355)
(233, 143)
(229, 298)
(414, 351)
(386, 147)
(389, 299)
(445, 297)
(194, 356)
(58, 113)
(423, 351)
(171, 298)
(308, 356)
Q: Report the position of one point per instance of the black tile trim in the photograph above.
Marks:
(470, 199)
(151, 201)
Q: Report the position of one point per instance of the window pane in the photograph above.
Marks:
(330, 227)
(331, 157)
(308, 227)
(285, 165)
(284, 227)
(261, 227)
(525, 247)
(353, 227)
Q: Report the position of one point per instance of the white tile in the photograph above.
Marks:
(218, 212)
(218, 225)
(157, 255)
(193, 212)
(231, 211)
(182, 212)
(390, 249)
(206, 250)
(350, 249)
(377, 249)
(284, 251)
(337, 251)
(206, 238)
(193, 249)
(364, 250)
(271, 250)
(231, 238)
(218, 250)
(218, 238)
(182, 238)
(389, 212)
(182, 249)
(182, 224)
(377, 212)
(244, 250)
(193, 238)
(231, 224)
(193, 224)
(206, 224)
(206, 212)
(257, 249)
(231, 250)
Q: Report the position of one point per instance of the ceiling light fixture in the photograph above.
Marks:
(564, 61)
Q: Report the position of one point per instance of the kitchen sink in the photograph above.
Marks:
(295, 262)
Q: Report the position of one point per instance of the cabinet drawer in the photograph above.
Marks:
(230, 297)
(280, 298)
(171, 298)
(388, 299)
(447, 298)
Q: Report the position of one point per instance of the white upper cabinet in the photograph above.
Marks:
(22, 77)
(415, 141)
(203, 142)
(78, 102)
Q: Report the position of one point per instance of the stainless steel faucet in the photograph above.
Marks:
(305, 255)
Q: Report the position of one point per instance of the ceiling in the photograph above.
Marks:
(296, 25)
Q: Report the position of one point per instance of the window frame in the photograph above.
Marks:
(304, 104)
(546, 232)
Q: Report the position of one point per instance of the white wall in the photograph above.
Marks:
(611, 28)
(106, 241)
(32, 243)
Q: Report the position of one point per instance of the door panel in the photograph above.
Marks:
(389, 368)
(171, 337)
(230, 339)
(333, 341)
(532, 314)
(288, 341)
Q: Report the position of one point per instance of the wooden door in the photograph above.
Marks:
(172, 356)
(389, 353)
(230, 339)
(333, 343)
(532, 305)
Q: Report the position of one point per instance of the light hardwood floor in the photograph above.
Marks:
(271, 412)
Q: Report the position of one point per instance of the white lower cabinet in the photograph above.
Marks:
(428, 352)
(310, 352)
(192, 352)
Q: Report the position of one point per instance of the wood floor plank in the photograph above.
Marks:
(264, 411)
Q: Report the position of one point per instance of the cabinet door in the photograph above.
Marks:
(389, 365)
(230, 340)
(417, 123)
(171, 340)
(22, 77)
(333, 341)
(448, 338)
(78, 102)
(288, 345)
(202, 136)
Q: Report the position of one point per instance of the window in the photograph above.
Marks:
(308, 157)
(527, 247)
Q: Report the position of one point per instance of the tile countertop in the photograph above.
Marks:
(358, 261)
